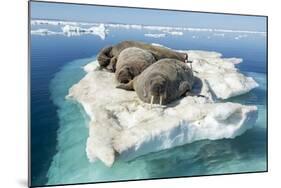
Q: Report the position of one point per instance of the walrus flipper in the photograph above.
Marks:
(154, 54)
(112, 65)
(192, 94)
(129, 86)
(183, 88)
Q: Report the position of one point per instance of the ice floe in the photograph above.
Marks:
(122, 127)
(44, 32)
(70, 30)
(240, 36)
(174, 32)
(155, 35)
(219, 34)
(164, 34)
(73, 30)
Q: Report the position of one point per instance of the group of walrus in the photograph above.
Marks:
(157, 74)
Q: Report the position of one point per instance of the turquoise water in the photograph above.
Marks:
(59, 127)
(70, 165)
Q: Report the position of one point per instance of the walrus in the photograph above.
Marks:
(162, 82)
(131, 62)
(108, 56)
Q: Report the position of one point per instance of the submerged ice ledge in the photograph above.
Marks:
(122, 127)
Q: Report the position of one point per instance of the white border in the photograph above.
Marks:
(13, 82)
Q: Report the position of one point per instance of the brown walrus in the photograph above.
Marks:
(131, 62)
(162, 82)
(108, 56)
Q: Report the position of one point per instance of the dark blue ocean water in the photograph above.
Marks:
(59, 131)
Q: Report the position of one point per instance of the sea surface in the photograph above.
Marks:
(59, 127)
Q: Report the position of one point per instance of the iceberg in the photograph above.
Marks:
(239, 31)
(179, 33)
(44, 32)
(71, 30)
(124, 26)
(240, 37)
(122, 127)
(155, 35)
(159, 35)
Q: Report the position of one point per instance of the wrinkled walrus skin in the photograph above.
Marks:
(131, 62)
(108, 56)
(162, 82)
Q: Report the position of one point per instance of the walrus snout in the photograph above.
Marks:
(157, 85)
(158, 90)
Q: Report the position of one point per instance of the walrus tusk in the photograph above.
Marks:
(161, 98)
(151, 101)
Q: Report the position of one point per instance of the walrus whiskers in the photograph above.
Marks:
(161, 98)
(151, 101)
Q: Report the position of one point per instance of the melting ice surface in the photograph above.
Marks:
(70, 164)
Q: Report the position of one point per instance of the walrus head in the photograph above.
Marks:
(158, 89)
(124, 75)
(104, 56)
(103, 60)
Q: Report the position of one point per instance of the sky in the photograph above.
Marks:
(105, 14)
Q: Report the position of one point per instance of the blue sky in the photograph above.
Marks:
(88, 13)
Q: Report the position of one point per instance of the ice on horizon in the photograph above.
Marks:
(73, 30)
(155, 35)
(102, 29)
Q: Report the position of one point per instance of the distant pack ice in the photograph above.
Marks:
(123, 128)
(71, 28)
